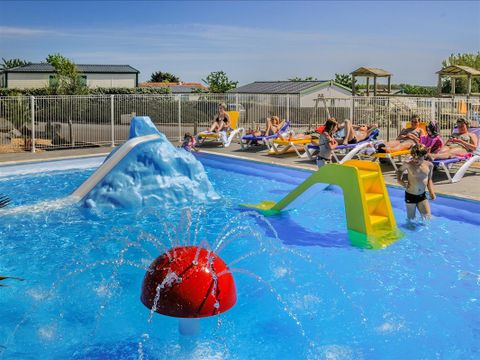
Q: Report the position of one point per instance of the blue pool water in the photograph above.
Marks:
(303, 290)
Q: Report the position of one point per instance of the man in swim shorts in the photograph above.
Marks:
(419, 179)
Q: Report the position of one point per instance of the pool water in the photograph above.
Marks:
(303, 291)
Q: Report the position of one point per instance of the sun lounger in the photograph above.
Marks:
(248, 140)
(349, 150)
(223, 137)
(447, 164)
(290, 144)
(391, 156)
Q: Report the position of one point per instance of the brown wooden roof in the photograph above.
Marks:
(458, 70)
(366, 71)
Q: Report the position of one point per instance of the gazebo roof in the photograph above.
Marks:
(366, 71)
(458, 70)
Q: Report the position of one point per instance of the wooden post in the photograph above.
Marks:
(368, 86)
(375, 85)
(469, 85)
(452, 90)
(353, 85)
(439, 85)
(389, 84)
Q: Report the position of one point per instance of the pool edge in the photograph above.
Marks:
(239, 157)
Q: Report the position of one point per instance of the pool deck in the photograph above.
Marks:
(468, 187)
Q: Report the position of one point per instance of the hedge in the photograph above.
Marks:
(93, 91)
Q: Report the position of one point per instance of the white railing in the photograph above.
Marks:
(59, 122)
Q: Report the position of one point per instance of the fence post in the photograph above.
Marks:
(432, 112)
(389, 112)
(288, 108)
(32, 108)
(70, 131)
(180, 117)
(352, 111)
(112, 119)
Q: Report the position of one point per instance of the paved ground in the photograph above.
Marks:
(469, 187)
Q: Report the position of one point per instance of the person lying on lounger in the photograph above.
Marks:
(272, 127)
(406, 139)
(348, 133)
(221, 121)
(459, 144)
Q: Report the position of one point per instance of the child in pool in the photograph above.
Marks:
(419, 179)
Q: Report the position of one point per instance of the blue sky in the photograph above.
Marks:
(249, 40)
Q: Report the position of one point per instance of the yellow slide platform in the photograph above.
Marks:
(369, 214)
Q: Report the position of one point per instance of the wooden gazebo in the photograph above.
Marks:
(455, 72)
(368, 73)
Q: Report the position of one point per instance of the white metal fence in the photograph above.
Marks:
(59, 122)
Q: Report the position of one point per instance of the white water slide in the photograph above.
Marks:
(109, 164)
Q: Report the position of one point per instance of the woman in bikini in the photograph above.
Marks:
(272, 127)
(459, 144)
(221, 120)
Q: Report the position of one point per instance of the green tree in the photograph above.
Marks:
(218, 82)
(159, 76)
(468, 59)
(308, 78)
(68, 80)
(345, 80)
(11, 63)
(418, 90)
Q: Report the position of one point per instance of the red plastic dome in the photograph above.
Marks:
(188, 289)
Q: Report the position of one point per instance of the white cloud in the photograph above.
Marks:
(11, 31)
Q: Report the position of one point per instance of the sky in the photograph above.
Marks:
(249, 40)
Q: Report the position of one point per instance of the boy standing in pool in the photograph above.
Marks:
(419, 179)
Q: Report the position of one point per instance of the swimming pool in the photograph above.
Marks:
(309, 294)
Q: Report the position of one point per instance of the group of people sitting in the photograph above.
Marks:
(331, 134)
(460, 144)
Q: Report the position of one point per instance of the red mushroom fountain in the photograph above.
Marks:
(188, 282)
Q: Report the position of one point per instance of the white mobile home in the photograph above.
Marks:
(41, 75)
(307, 90)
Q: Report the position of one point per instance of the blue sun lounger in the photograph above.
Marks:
(248, 140)
(447, 164)
(351, 150)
